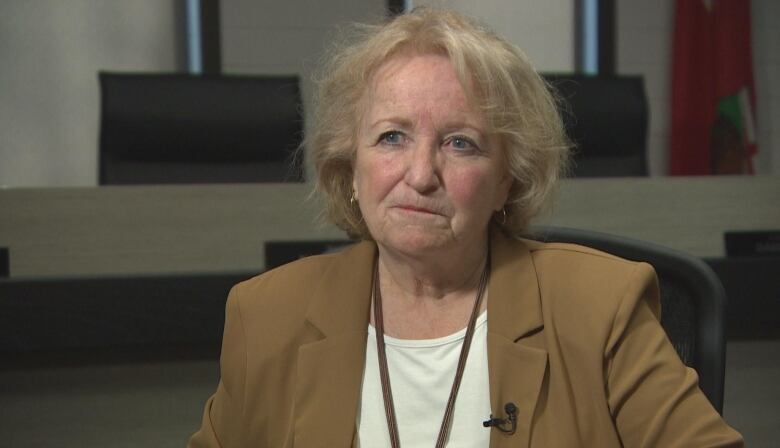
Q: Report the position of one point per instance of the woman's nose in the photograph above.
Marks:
(423, 172)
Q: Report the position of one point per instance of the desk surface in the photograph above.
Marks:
(216, 228)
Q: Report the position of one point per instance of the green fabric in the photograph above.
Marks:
(728, 106)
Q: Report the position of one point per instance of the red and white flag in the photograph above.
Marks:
(713, 95)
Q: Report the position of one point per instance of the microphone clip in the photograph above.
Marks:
(500, 423)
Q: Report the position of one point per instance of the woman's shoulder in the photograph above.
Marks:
(575, 252)
(577, 260)
(292, 285)
(602, 282)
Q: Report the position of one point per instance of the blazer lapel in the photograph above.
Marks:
(330, 369)
(516, 367)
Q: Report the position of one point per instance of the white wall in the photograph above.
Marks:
(543, 29)
(644, 47)
(644, 32)
(287, 37)
(51, 51)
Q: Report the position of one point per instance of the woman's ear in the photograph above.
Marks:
(505, 184)
(503, 192)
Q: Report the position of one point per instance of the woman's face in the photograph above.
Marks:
(427, 175)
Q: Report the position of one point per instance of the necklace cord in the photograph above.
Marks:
(384, 375)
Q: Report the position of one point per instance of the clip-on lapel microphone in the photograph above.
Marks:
(499, 423)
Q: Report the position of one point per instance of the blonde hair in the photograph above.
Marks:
(519, 107)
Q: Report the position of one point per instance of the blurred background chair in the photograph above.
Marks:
(178, 128)
(693, 300)
(606, 117)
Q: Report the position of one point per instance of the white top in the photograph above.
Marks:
(421, 376)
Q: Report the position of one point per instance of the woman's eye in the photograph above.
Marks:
(462, 143)
(391, 138)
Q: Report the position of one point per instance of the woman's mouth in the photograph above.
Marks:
(417, 209)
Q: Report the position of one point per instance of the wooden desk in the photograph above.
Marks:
(221, 228)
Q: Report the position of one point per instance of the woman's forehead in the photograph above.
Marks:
(417, 75)
(413, 80)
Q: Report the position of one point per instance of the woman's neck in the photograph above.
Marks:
(430, 278)
(429, 297)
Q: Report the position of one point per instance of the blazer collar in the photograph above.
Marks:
(514, 305)
(342, 299)
(330, 369)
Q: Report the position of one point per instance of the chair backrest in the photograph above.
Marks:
(606, 117)
(179, 128)
(693, 300)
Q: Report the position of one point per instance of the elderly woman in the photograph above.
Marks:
(436, 143)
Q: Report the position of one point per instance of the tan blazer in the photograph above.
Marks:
(573, 340)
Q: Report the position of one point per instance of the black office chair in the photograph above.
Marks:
(693, 300)
(178, 128)
(606, 118)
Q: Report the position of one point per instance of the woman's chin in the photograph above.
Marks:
(418, 240)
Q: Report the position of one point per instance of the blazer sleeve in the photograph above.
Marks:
(654, 398)
(223, 414)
